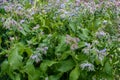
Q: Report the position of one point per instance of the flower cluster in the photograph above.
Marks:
(100, 34)
(87, 66)
(36, 27)
(36, 58)
(87, 49)
(101, 54)
(42, 50)
(92, 49)
(9, 22)
(72, 41)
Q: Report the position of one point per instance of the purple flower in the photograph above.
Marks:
(22, 21)
(74, 46)
(88, 66)
(103, 51)
(105, 22)
(88, 45)
(101, 54)
(45, 48)
(102, 33)
(36, 27)
(19, 8)
(35, 58)
(62, 6)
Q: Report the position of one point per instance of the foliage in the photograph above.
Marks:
(64, 41)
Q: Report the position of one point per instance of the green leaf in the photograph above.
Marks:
(66, 65)
(29, 51)
(55, 77)
(75, 73)
(23, 32)
(4, 66)
(17, 77)
(81, 44)
(65, 55)
(33, 74)
(2, 10)
(45, 64)
(0, 41)
(108, 68)
(85, 32)
(26, 27)
(97, 61)
(62, 45)
(50, 63)
(81, 57)
(20, 47)
(72, 26)
(14, 59)
(29, 68)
